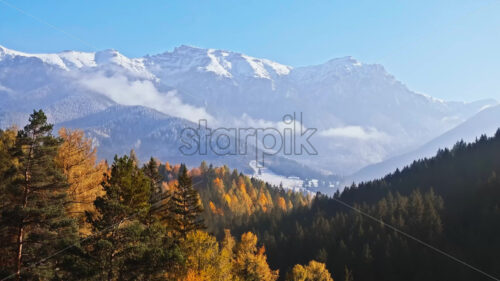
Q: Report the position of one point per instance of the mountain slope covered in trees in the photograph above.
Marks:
(164, 222)
(64, 216)
(450, 201)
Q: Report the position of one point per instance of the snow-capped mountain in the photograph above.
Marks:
(363, 114)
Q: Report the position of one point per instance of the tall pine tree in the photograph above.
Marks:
(35, 213)
(151, 170)
(185, 206)
(127, 244)
(157, 198)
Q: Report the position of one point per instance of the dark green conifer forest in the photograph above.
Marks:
(450, 201)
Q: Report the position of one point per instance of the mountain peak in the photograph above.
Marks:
(107, 56)
(187, 48)
(6, 51)
(353, 103)
(222, 63)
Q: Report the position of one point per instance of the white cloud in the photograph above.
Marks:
(245, 121)
(143, 92)
(5, 89)
(355, 132)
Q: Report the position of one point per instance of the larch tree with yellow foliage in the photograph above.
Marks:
(207, 260)
(251, 262)
(226, 257)
(201, 252)
(78, 161)
(7, 143)
(314, 271)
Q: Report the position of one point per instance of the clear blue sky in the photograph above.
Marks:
(448, 49)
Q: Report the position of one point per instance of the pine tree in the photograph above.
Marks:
(127, 244)
(158, 199)
(126, 198)
(36, 195)
(151, 170)
(184, 206)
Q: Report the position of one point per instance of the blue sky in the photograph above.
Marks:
(447, 49)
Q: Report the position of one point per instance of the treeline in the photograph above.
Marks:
(63, 216)
(231, 198)
(450, 201)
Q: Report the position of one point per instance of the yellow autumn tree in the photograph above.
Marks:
(7, 160)
(214, 209)
(282, 203)
(193, 276)
(228, 199)
(78, 161)
(243, 197)
(250, 262)
(314, 271)
(7, 142)
(226, 258)
(7, 238)
(263, 202)
(219, 185)
(201, 252)
(252, 192)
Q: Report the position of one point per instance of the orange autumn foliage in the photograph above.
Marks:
(219, 185)
(282, 203)
(214, 209)
(250, 262)
(230, 195)
(78, 161)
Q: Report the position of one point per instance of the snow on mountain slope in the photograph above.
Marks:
(218, 62)
(363, 114)
(73, 60)
(342, 93)
(52, 59)
(485, 122)
(293, 183)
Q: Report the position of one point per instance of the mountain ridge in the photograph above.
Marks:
(363, 114)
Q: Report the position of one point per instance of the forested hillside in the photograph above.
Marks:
(64, 216)
(450, 201)
(229, 197)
